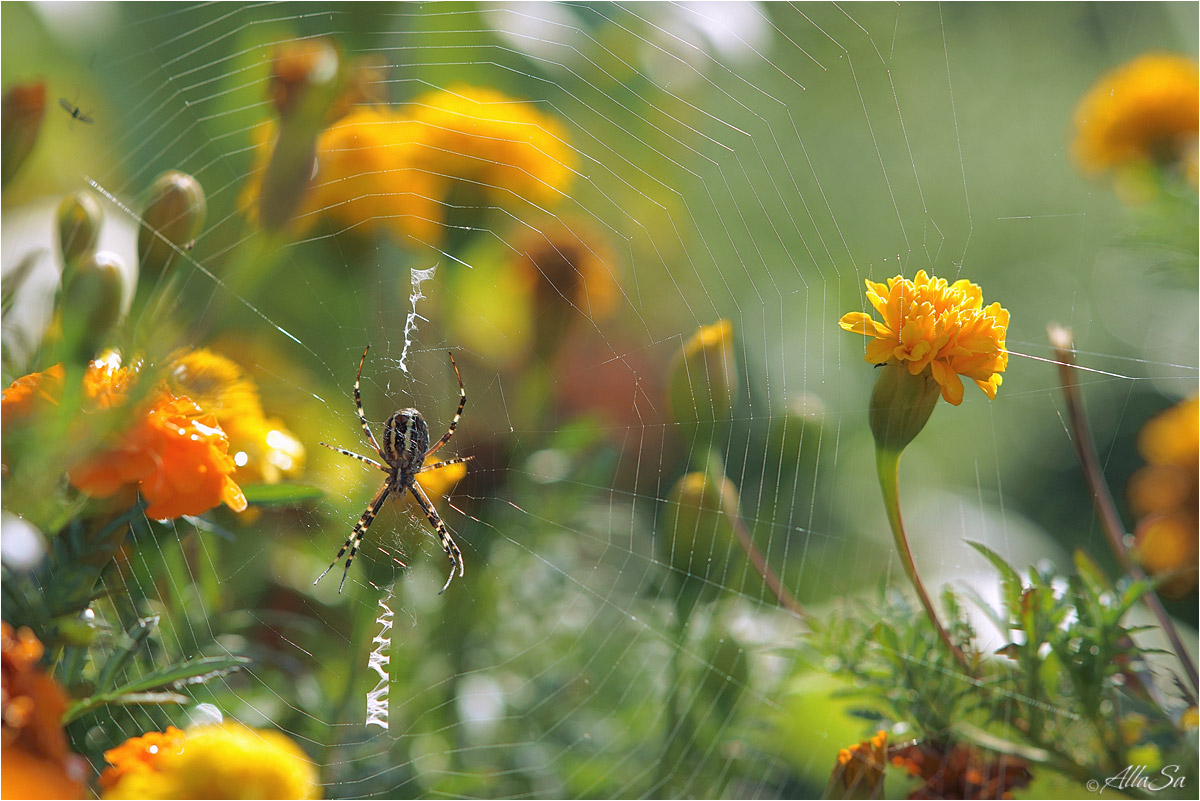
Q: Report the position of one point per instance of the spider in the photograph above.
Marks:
(405, 448)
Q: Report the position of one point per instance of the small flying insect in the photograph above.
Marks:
(75, 112)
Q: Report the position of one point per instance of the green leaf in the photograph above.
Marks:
(134, 639)
(1093, 577)
(280, 494)
(197, 671)
(121, 699)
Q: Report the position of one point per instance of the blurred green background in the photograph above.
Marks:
(742, 161)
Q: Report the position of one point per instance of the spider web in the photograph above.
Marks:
(741, 161)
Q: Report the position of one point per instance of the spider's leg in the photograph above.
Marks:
(354, 455)
(362, 417)
(447, 463)
(448, 544)
(356, 534)
(462, 403)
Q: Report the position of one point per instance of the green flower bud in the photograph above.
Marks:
(900, 405)
(703, 380)
(79, 218)
(698, 541)
(24, 107)
(175, 211)
(91, 303)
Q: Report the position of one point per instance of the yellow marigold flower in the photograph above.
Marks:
(438, 483)
(506, 148)
(930, 324)
(219, 761)
(1143, 111)
(368, 177)
(261, 447)
(34, 757)
(364, 178)
(1164, 497)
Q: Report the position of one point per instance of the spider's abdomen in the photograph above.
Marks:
(405, 440)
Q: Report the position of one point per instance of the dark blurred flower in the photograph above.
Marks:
(36, 760)
(1142, 112)
(860, 770)
(569, 270)
(24, 108)
(217, 761)
(297, 67)
(1163, 496)
(960, 771)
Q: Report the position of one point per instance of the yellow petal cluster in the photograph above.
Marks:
(1142, 111)
(400, 169)
(262, 448)
(219, 761)
(1163, 495)
(507, 149)
(931, 324)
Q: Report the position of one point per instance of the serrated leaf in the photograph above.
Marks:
(280, 494)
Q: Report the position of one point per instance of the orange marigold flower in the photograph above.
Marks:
(22, 395)
(1143, 111)
(860, 769)
(261, 447)
(219, 761)
(178, 456)
(36, 762)
(507, 149)
(137, 755)
(1164, 496)
(956, 770)
(931, 324)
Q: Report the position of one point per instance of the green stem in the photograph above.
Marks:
(887, 462)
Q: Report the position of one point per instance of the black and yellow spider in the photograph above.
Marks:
(405, 448)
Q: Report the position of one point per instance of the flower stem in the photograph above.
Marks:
(781, 593)
(887, 463)
(1106, 508)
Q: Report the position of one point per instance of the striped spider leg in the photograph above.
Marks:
(402, 456)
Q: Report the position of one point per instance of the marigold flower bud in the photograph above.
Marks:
(92, 302)
(702, 381)
(175, 211)
(24, 107)
(901, 404)
(698, 540)
(79, 218)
